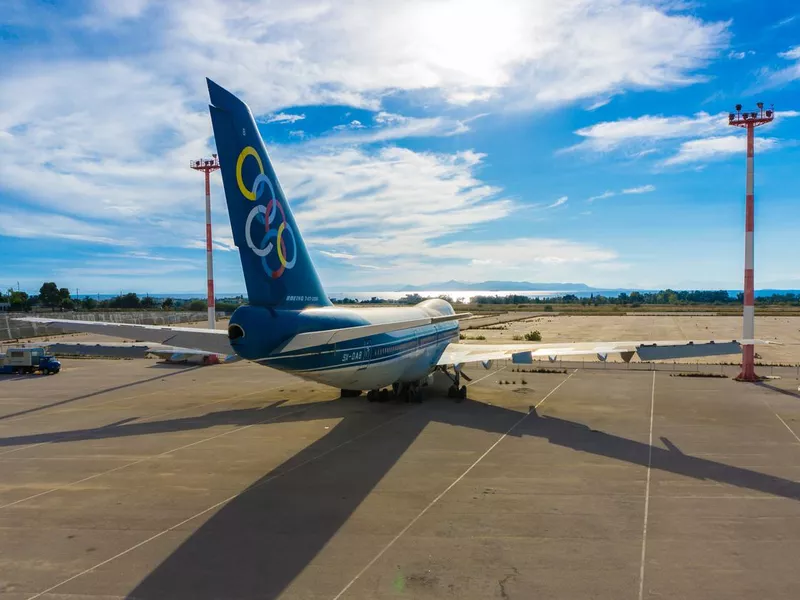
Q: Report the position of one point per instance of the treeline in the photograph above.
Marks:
(54, 298)
(405, 300)
(677, 298)
(633, 299)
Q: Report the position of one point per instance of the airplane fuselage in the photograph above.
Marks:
(365, 363)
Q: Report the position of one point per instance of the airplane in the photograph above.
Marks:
(291, 325)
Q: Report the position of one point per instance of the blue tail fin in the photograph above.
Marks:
(277, 268)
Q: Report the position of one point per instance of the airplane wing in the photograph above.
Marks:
(457, 354)
(216, 340)
(190, 338)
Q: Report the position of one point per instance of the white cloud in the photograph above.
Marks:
(342, 255)
(559, 202)
(716, 148)
(393, 127)
(648, 129)
(598, 104)
(643, 189)
(386, 207)
(24, 224)
(791, 54)
(112, 137)
(531, 51)
(284, 118)
(775, 78)
(734, 55)
(354, 124)
(603, 196)
(644, 132)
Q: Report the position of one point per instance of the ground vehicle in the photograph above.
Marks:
(28, 360)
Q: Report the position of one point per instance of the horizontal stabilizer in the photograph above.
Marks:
(313, 339)
(210, 340)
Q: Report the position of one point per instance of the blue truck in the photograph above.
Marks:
(18, 361)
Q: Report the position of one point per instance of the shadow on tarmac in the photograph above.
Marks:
(258, 543)
(775, 388)
(97, 393)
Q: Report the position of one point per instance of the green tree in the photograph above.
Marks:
(148, 302)
(49, 294)
(130, 300)
(167, 303)
(19, 300)
(89, 303)
(64, 300)
(196, 305)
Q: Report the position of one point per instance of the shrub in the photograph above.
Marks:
(548, 308)
(533, 336)
(517, 337)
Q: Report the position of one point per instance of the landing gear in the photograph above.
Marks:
(378, 395)
(351, 393)
(456, 391)
(459, 393)
(408, 392)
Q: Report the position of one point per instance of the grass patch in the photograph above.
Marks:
(698, 374)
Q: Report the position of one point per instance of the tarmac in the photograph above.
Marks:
(132, 479)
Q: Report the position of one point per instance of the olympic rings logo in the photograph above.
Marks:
(274, 238)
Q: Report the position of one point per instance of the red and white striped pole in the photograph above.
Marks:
(749, 121)
(207, 165)
(749, 310)
(212, 309)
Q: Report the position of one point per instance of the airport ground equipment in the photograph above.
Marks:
(749, 121)
(28, 360)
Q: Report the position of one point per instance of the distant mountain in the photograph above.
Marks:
(497, 286)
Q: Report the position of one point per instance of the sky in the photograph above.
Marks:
(417, 141)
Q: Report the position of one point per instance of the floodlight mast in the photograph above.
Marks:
(208, 165)
(749, 121)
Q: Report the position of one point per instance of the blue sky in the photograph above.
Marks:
(583, 140)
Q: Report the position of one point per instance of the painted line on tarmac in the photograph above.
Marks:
(489, 375)
(448, 488)
(785, 424)
(223, 502)
(151, 457)
(787, 427)
(647, 489)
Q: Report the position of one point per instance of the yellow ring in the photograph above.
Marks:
(248, 151)
(278, 243)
